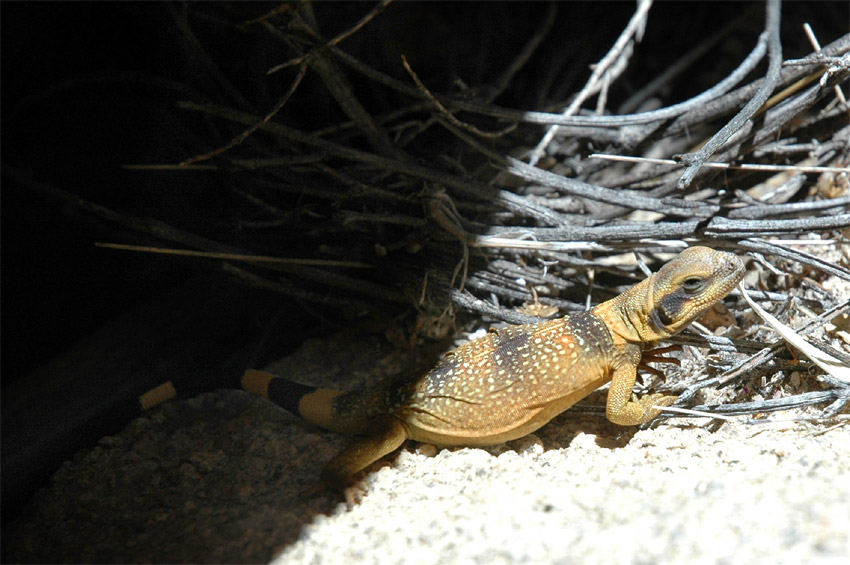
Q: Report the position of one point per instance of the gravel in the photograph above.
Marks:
(221, 477)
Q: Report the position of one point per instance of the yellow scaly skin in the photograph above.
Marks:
(512, 381)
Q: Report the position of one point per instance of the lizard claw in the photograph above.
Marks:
(656, 355)
(655, 402)
(352, 493)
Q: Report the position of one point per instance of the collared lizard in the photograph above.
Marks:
(512, 381)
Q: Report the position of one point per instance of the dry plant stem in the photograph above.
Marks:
(772, 122)
(774, 54)
(813, 40)
(718, 228)
(759, 210)
(350, 285)
(629, 199)
(149, 226)
(694, 160)
(472, 304)
(680, 65)
(742, 369)
(604, 69)
(362, 188)
(471, 187)
(718, 343)
(773, 405)
(166, 232)
(322, 63)
(302, 70)
(446, 114)
(642, 118)
(336, 40)
(535, 227)
(788, 91)
(782, 115)
(254, 164)
(715, 108)
(281, 286)
(525, 54)
(835, 366)
(697, 109)
(714, 165)
(625, 239)
(276, 11)
(773, 248)
(170, 167)
(178, 13)
(259, 259)
(704, 107)
(336, 85)
(503, 288)
(733, 229)
(339, 88)
(443, 212)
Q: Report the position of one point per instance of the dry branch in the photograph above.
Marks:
(455, 216)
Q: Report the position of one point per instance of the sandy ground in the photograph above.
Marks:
(220, 478)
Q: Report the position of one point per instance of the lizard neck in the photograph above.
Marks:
(629, 316)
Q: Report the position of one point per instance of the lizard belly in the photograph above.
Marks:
(517, 424)
(508, 384)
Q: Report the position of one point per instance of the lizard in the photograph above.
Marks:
(513, 380)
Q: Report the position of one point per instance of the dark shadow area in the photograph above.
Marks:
(88, 88)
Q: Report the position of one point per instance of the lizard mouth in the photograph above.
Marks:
(682, 301)
(733, 273)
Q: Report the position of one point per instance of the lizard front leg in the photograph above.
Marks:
(626, 410)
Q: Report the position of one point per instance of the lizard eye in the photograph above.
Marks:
(693, 284)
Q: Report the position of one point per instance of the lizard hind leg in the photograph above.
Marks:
(384, 435)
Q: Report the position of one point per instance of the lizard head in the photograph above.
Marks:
(689, 285)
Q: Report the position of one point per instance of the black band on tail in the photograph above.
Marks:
(288, 394)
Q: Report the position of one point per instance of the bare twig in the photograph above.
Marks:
(743, 368)
(448, 115)
(608, 68)
(245, 134)
(334, 41)
(370, 190)
(468, 186)
(685, 61)
(772, 405)
(774, 52)
(698, 109)
(179, 15)
(740, 167)
(235, 256)
(337, 85)
(523, 56)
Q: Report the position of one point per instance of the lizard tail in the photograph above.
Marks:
(316, 405)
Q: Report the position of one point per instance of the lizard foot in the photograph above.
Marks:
(352, 493)
(650, 401)
(638, 410)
